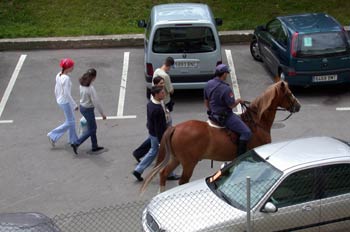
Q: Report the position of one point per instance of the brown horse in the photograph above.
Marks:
(191, 141)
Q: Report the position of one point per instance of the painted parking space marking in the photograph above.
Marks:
(234, 81)
(10, 87)
(342, 108)
(117, 117)
(122, 92)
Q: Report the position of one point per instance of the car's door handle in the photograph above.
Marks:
(306, 208)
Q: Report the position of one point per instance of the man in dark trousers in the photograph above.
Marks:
(220, 100)
(156, 124)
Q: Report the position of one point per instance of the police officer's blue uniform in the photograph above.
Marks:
(220, 97)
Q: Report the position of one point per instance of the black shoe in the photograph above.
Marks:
(174, 177)
(97, 149)
(137, 175)
(137, 158)
(75, 148)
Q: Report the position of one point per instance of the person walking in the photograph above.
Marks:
(88, 102)
(66, 102)
(220, 100)
(142, 150)
(156, 124)
(168, 87)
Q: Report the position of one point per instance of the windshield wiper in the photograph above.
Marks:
(223, 196)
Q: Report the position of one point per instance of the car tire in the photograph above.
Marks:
(254, 50)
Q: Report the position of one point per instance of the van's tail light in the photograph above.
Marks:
(149, 68)
(219, 62)
(294, 44)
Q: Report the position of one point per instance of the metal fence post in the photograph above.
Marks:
(249, 229)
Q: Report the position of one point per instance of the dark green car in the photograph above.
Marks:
(304, 49)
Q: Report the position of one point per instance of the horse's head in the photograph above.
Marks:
(287, 100)
(278, 95)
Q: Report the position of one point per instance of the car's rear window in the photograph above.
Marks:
(183, 40)
(322, 44)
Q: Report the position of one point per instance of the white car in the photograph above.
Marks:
(296, 185)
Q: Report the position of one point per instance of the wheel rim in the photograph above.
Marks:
(255, 50)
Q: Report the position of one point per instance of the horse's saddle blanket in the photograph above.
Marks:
(234, 136)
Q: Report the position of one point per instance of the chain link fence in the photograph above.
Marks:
(299, 203)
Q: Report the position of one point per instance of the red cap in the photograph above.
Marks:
(66, 63)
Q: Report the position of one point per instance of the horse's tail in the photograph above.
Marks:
(163, 157)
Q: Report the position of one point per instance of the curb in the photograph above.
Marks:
(108, 41)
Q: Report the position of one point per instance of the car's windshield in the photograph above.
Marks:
(316, 44)
(231, 184)
(184, 40)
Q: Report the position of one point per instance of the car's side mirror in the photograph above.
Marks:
(141, 23)
(218, 21)
(269, 208)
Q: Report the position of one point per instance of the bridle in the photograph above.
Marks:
(292, 101)
(293, 108)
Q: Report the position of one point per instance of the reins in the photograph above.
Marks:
(245, 107)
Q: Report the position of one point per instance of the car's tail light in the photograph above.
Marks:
(292, 73)
(149, 67)
(294, 44)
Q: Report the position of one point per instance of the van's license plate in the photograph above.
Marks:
(324, 78)
(186, 64)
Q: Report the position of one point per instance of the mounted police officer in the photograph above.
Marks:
(220, 100)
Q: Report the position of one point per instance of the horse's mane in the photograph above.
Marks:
(261, 103)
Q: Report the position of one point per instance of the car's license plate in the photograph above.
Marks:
(186, 64)
(324, 78)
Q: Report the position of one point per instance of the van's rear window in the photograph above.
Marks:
(183, 39)
(321, 44)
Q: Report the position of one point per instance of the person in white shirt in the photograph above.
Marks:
(66, 103)
(88, 102)
(168, 87)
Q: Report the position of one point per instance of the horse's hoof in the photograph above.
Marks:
(161, 189)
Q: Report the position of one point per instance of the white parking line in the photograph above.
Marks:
(117, 117)
(234, 81)
(122, 91)
(10, 87)
(343, 108)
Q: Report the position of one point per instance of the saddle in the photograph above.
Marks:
(233, 136)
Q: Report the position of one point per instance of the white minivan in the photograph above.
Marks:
(188, 33)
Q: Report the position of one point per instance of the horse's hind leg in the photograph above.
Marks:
(164, 173)
(187, 173)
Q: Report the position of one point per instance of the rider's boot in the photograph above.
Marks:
(242, 147)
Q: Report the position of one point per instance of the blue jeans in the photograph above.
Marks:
(69, 124)
(89, 115)
(150, 156)
(235, 123)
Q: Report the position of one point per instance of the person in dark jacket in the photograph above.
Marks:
(156, 124)
(220, 100)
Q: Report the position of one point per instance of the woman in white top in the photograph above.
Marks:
(65, 101)
(88, 102)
